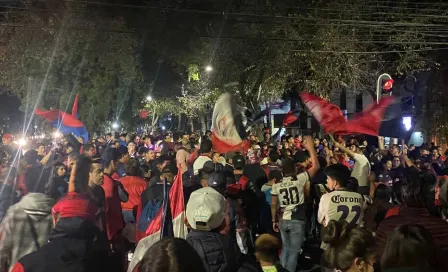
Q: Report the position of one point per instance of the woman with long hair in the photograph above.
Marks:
(351, 249)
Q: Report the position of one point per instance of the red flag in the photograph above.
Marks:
(75, 107)
(328, 115)
(332, 121)
(223, 147)
(291, 117)
(369, 121)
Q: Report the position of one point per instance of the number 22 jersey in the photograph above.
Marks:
(341, 204)
(291, 196)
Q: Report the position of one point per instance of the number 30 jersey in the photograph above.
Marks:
(291, 196)
(345, 205)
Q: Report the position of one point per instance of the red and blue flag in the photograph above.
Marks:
(66, 123)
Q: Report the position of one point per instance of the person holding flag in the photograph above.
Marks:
(169, 214)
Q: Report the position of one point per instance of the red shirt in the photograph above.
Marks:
(113, 212)
(134, 186)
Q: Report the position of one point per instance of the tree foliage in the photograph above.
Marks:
(323, 47)
(257, 50)
(160, 107)
(62, 51)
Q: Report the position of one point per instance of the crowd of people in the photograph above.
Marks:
(67, 205)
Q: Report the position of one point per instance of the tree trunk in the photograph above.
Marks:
(155, 118)
(192, 125)
(203, 123)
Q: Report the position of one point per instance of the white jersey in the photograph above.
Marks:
(291, 196)
(361, 169)
(345, 205)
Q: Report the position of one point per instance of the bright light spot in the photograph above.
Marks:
(163, 127)
(149, 98)
(407, 122)
(115, 125)
(57, 134)
(21, 142)
(208, 68)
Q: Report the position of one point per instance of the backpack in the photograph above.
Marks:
(148, 214)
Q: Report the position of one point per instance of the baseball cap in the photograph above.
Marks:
(238, 161)
(206, 209)
(210, 167)
(217, 181)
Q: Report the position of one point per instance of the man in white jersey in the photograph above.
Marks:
(341, 203)
(361, 169)
(290, 194)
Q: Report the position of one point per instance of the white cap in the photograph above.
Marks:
(206, 209)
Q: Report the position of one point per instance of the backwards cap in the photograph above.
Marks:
(206, 209)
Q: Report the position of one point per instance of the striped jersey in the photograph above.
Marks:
(291, 196)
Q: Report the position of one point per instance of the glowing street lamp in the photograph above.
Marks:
(115, 125)
(149, 98)
(208, 68)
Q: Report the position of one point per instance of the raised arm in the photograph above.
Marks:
(342, 148)
(309, 146)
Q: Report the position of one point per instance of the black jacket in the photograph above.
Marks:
(220, 253)
(75, 245)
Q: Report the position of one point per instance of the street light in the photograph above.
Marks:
(115, 125)
(148, 98)
(407, 122)
(208, 68)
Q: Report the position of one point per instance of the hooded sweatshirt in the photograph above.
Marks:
(25, 228)
(76, 244)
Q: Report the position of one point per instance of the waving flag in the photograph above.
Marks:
(328, 115)
(291, 117)
(369, 121)
(228, 131)
(64, 122)
(333, 121)
(170, 217)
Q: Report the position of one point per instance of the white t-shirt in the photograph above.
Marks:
(361, 169)
(199, 164)
(346, 205)
(291, 196)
